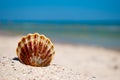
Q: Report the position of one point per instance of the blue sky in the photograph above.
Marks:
(60, 9)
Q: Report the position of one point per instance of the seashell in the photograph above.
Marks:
(35, 50)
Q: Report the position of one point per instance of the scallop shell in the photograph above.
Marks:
(35, 50)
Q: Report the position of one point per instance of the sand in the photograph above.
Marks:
(71, 62)
(14, 70)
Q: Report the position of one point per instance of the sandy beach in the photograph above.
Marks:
(71, 62)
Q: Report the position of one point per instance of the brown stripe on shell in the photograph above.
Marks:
(27, 53)
(40, 47)
(48, 61)
(23, 40)
(47, 41)
(19, 44)
(42, 38)
(35, 47)
(23, 56)
(48, 52)
(41, 44)
(17, 52)
(44, 48)
(36, 44)
(29, 37)
(30, 47)
(52, 47)
(24, 52)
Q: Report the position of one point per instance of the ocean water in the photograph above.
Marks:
(90, 33)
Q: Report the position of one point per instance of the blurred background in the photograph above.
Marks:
(86, 33)
(91, 22)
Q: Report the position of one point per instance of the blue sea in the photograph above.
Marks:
(98, 33)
